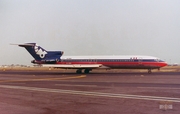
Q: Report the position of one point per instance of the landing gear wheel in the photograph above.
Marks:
(86, 71)
(79, 71)
(149, 71)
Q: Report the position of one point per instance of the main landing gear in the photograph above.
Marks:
(79, 71)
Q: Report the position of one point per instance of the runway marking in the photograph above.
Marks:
(158, 88)
(44, 79)
(96, 94)
(76, 85)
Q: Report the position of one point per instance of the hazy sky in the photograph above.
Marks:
(91, 27)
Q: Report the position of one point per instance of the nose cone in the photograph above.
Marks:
(163, 64)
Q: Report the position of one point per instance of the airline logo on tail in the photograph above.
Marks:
(40, 54)
(39, 51)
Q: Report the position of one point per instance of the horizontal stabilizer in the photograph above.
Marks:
(72, 66)
(24, 45)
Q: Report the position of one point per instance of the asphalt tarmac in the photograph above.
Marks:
(55, 92)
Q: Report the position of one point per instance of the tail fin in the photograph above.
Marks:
(41, 54)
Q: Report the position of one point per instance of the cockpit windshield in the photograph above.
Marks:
(159, 60)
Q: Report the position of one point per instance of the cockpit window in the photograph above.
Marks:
(159, 60)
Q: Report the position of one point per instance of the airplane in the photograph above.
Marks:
(54, 59)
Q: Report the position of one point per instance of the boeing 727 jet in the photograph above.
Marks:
(54, 59)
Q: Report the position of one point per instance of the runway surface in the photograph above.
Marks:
(54, 92)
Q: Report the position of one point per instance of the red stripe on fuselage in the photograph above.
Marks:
(123, 64)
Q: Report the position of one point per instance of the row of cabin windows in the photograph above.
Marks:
(94, 60)
(104, 60)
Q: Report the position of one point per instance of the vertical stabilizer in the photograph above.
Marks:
(40, 54)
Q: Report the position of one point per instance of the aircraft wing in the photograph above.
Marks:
(72, 66)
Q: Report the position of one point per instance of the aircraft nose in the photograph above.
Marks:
(164, 64)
